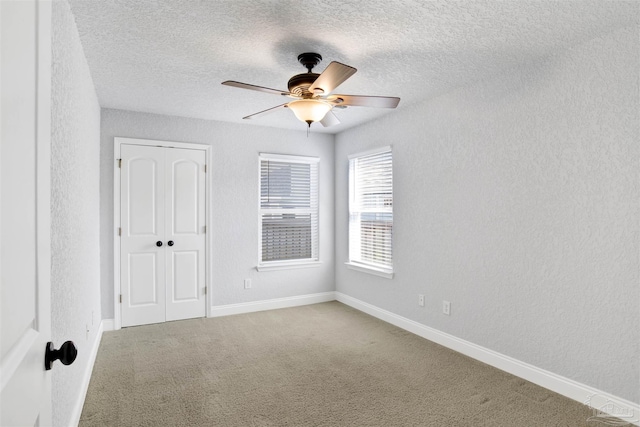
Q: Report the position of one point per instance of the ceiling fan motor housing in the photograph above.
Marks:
(299, 84)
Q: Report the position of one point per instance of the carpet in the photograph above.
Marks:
(317, 365)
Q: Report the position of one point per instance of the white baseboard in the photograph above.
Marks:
(601, 402)
(272, 304)
(108, 325)
(86, 377)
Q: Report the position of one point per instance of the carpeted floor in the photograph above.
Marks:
(317, 365)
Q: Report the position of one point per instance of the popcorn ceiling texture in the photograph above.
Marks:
(516, 198)
(234, 176)
(170, 56)
(75, 210)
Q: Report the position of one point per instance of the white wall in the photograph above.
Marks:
(234, 194)
(75, 210)
(516, 199)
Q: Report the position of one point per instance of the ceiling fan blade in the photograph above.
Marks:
(264, 112)
(330, 119)
(332, 77)
(364, 101)
(257, 88)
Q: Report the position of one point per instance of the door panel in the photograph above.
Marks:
(25, 247)
(142, 273)
(185, 190)
(185, 272)
(143, 269)
(185, 210)
(143, 209)
(22, 217)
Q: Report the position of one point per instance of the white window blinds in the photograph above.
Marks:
(288, 208)
(371, 209)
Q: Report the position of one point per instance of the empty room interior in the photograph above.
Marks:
(444, 229)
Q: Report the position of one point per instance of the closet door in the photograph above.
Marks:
(143, 243)
(162, 243)
(185, 234)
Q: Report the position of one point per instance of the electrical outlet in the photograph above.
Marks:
(446, 307)
(247, 283)
(421, 300)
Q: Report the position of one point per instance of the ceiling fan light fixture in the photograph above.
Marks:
(309, 110)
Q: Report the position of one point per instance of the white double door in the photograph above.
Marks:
(162, 205)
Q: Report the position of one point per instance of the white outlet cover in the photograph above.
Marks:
(446, 307)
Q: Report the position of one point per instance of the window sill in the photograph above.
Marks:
(388, 274)
(288, 266)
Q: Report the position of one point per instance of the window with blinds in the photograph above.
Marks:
(371, 210)
(288, 209)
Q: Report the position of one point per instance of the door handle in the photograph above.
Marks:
(158, 243)
(170, 243)
(66, 354)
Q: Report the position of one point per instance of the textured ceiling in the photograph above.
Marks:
(170, 56)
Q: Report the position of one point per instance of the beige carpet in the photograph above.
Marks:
(317, 365)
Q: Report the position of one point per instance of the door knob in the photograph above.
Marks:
(66, 354)
(158, 243)
(170, 243)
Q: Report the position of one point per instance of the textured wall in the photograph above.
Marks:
(517, 200)
(234, 226)
(75, 210)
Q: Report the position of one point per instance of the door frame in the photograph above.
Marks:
(117, 143)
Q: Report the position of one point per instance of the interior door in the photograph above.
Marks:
(162, 194)
(142, 267)
(25, 115)
(185, 234)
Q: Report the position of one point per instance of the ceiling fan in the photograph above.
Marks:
(312, 96)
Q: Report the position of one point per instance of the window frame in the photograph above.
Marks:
(353, 263)
(314, 261)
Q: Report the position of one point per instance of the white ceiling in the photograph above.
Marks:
(170, 56)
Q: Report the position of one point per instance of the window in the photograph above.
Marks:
(288, 211)
(371, 212)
